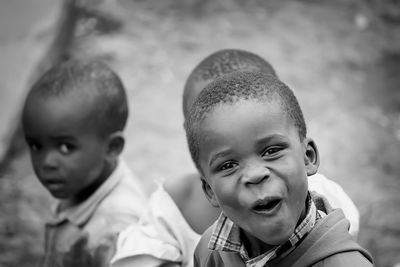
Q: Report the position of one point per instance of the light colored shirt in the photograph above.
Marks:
(90, 228)
(337, 198)
(162, 237)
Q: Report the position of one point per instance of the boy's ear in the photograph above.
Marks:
(116, 143)
(209, 193)
(311, 156)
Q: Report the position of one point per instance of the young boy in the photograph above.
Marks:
(73, 121)
(248, 139)
(186, 190)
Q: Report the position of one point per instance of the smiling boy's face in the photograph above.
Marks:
(255, 168)
(67, 153)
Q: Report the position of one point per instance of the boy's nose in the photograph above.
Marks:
(255, 173)
(49, 161)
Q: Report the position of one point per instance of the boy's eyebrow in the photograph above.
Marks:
(269, 138)
(62, 137)
(218, 155)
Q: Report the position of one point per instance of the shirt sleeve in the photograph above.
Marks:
(143, 261)
(162, 235)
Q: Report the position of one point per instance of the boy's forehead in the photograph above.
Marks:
(77, 104)
(237, 110)
(243, 124)
(262, 103)
(55, 118)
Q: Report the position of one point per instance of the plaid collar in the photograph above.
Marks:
(226, 237)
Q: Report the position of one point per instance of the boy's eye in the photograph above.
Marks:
(227, 166)
(33, 146)
(270, 151)
(65, 148)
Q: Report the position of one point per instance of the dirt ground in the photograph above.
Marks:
(342, 59)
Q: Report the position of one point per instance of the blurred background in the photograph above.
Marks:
(341, 57)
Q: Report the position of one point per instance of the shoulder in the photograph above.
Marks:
(202, 253)
(127, 195)
(330, 189)
(336, 247)
(129, 184)
(320, 182)
(180, 189)
(122, 206)
(204, 240)
(337, 198)
(329, 244)
(187, 193)
(349, 258)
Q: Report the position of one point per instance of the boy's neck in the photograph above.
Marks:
(89, 190)
(253, 245)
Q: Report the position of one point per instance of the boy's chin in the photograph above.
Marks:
(59, 195)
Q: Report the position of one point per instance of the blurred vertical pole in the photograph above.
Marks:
(57, 51)
(63, 38)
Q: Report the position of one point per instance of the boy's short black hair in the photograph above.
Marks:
(223, 62)
(92, 79)
(234, 87)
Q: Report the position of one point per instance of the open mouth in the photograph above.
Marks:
(267, 205)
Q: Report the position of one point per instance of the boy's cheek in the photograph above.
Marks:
(227, 195)
(36, 170)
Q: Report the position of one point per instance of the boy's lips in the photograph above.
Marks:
(54, 183)
(267, 205)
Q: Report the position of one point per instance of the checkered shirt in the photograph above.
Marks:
(226, 237)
